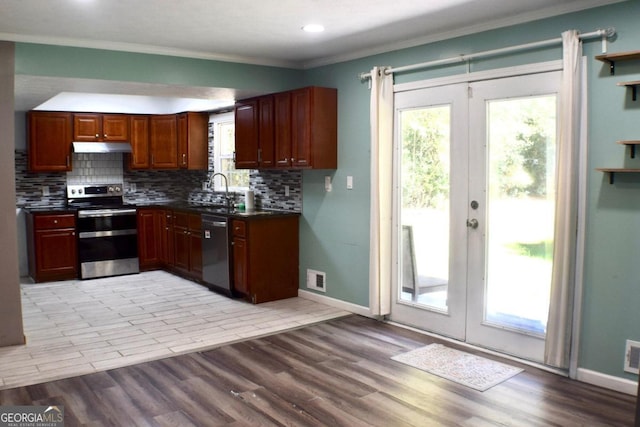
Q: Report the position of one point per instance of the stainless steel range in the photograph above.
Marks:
(107, 230)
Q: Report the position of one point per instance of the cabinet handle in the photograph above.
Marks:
(293, 160)
(184, 159)
(67, 160)
(97, 135)
(105, 135)
(55, 221)
(259, 155)
(73, 233)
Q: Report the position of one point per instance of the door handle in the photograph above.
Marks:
(472, 223)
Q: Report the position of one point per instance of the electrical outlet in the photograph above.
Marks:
(205, 186)
(286, 190)
(133, 187)
(45, 190)
(349, 182)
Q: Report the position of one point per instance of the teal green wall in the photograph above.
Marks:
(335, 225)
(60, 61)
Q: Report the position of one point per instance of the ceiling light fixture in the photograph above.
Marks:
(313, 28)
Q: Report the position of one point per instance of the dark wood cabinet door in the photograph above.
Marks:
(266, 132)
(115, 127)
(139, 138)
(87, 127)
(301, 130)
(50, 138)
(246, 128)
(56, 254)
(181, 244)
(282, 129)
(167, 238)
(193, 140)
(163, 136)
(240, 265)
(149, 238)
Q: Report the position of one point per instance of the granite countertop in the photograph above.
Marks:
(207, 208)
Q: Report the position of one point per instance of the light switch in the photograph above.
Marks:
(327, 183)
(349, 182)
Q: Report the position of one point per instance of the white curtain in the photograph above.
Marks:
(380, 259)
(559, 325)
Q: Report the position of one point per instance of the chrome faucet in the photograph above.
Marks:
(226, 188)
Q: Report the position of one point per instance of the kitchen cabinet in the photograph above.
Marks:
(187, 244)
(255, 133)
(265, 257)
(139, 158)
(50, 138)
(150, 238)
(193, 141)
(163, 141)
(303, 130)
(52, 246)
(247, 131)
(282, 129)
(92, 127)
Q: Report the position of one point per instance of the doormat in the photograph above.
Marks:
(455, 365)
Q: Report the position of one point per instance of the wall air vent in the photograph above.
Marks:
(632, 357)
(316, 280)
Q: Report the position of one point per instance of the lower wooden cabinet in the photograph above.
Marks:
(265, 258)
(170, 239)
(151, 231)
(52, 246)
(187, 244)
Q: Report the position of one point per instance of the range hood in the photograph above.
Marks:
(102, 147)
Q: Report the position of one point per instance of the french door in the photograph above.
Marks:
(474, 210)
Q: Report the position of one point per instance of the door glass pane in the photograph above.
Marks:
(425, 170)
(520, 212)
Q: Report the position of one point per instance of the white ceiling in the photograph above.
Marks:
(266, 32)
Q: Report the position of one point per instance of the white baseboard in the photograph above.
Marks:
(610, 382)
(343, 305)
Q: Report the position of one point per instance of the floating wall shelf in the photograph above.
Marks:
(631, 145)
(633, 86)
(613, 171)
(611, 58)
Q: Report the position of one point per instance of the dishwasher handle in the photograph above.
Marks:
(218, 223)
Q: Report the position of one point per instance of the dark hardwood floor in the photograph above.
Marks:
(337, 373)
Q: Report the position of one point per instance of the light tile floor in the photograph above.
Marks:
(79, 327)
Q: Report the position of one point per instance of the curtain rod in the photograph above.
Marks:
(605, 34)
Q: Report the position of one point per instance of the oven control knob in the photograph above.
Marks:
(80, 191)
(110, 189)
(117, 189)
(73, 191)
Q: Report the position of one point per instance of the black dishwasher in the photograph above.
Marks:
(215, 253)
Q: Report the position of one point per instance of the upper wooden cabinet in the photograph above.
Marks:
(247, 131)
(298, 128)
(163, 142)
(193, 141)
(50, 137)
(90, 127)
(139, 138)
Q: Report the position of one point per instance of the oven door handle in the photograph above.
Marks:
(108, 233)
(100, 213)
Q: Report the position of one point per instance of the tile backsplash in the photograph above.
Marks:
(150, 186)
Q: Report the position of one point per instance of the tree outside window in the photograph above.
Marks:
(223, 154)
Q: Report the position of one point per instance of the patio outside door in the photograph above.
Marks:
(475, 170)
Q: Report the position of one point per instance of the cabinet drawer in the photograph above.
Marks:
(181, 219)
(239, 228)
(43, 222)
